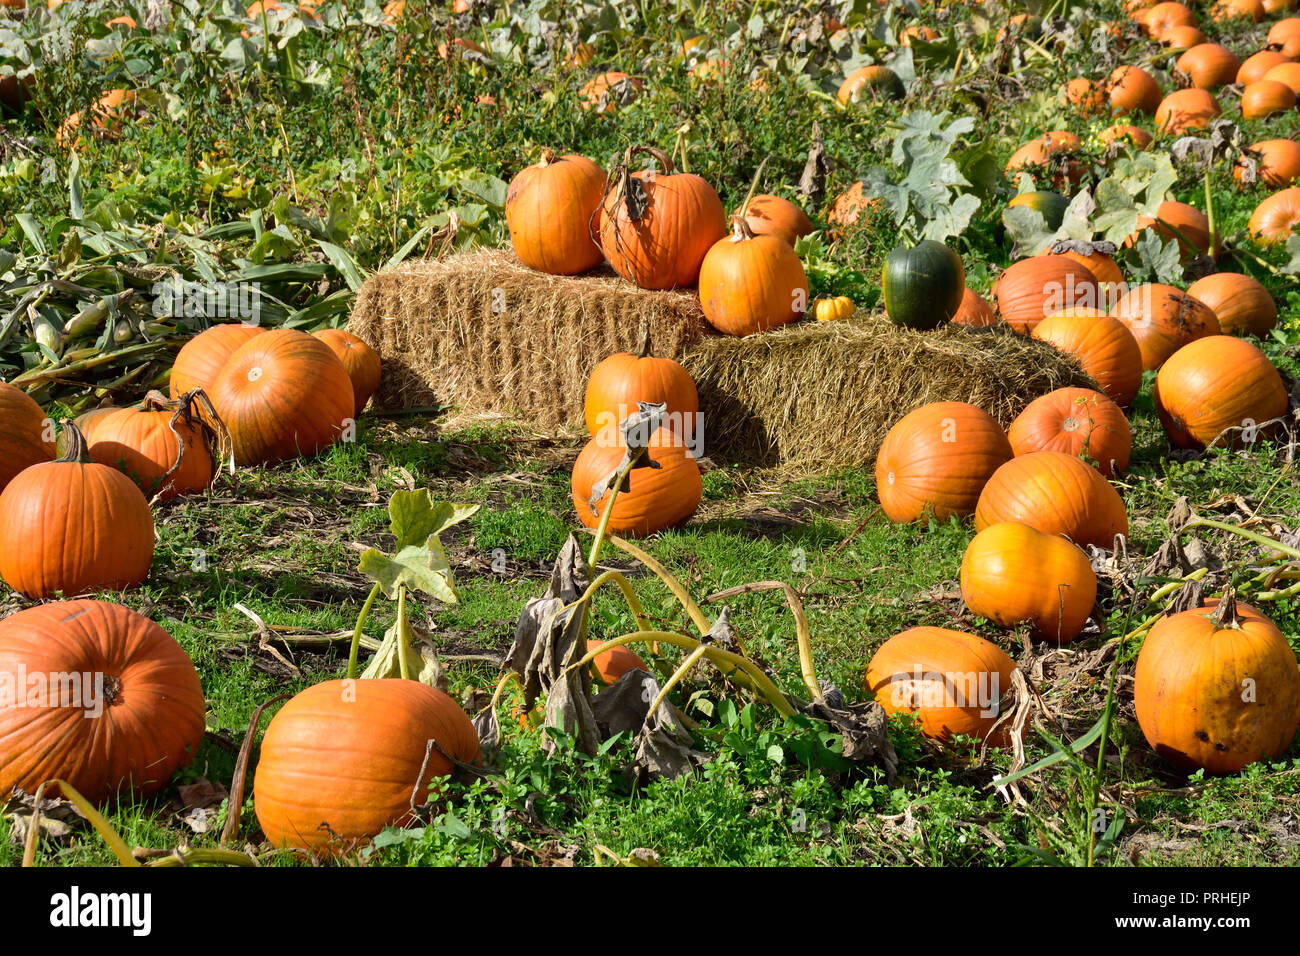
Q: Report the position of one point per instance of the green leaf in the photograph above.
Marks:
(343, 261)
(75, 207)
(416, 567)
(414, 516)
(32, 230)
(452, 826)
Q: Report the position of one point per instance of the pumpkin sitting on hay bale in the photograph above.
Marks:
(483, 332)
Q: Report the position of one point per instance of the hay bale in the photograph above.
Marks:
(813, 394)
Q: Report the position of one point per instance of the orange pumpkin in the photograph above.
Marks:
(1079, 422)
(773, 216)
(107, 115)
(870, 81)
(1188, 109)
(1133, 90)
(752, 283)
(549, 208)
(202, 358)
(73, 525)
(1255, 66)
(1051, 151)
(26, 435)
(604, 92)
(1104, 347)
(1034, 288)
(1182, 38)
(1013, 573)
(1225, 10)
(850, 207)
(681, 221)
(1057, 494)
(1277, 163)
(1217, 688)
(1241, 304)
(918, 32)
(1274, 219)
(937, 458)
(620, 381)
(608, 666)
(1214, 384)
(1288, 73)
(974, 310)
(1178, 220)
(1133, 135)
(1163, 17)
(951, 681)
(344, 759)
(655, 499)
(1086, 97)
(126, 735)
(361, 361)
(1262, 99)
(1282, 32)
(1209, 66)
(1163, 319)
(1105, 269)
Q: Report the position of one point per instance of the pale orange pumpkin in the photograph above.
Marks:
(1104, 347)
(619, 382)
(1256, 66)
(549, 208)
(1277, 163)
(1241, 304)
(1034, 288)
(361, 361)
(655, 499)
(1188, 109)
(975, 310)
(1214, 384)
(1057, 494)
(1163, 319)
(774, 216)
(1275, 218)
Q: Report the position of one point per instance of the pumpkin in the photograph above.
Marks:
(1051, 205)
(1277, 163)
(1178, 220)
(922, 286)
(1214, 384)
(679, 224)
(1182, 38)
(1274, 217)
(617, 383)
(849, 207)
(1104, 347)
(463, 44)
(1135, 136)
(1012, 573)
(15, 92)
(281, 395)
(1103, 268)
(202, 358)
(1209, 66)
(344, 759)
(608, 666)
(1278, 6)
(1050, 151)
(1057, 494)
(73, 525)
(937, 458)
(975, 310)
(1225, 10)
(833, 310)
(873, 81)
(1163, 319)
(1288, 73)
(905, 37)
(1241, 304)
(951, 681)
(1185, 110)
(1032, 289)
(26, 437)
(1280, 33)
(605, 92)
(1217, 688)
(106, 118)
(1133, 90)
(549, 208)
(1079, 422)
(161, 445)
(583, 55)
(1262, 99)
(362, 363)
(1255, 66)
(1028, 26)
(655, 498)
(1086, 97)
(1163, 17)
(773, 216)
(126, 714)
(752, 283)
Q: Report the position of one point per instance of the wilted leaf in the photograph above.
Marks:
(59, 818)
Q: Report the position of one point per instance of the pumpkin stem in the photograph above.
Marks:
(753, 187)
(548, 157)
(73, 445)
(644, 351)
(663, 159)
(1225, 615)
(741, 229)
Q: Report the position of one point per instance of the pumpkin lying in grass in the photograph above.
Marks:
(1215, 384)
(73, 525)
(953, 682)
(1186, 110)
(608, 666)
(1217, 688)
(937, 458)
(1013, 573)
(871, 81)
(1079, 422)
(1057, 494)
(1133, 90)
(1277, 163)
(1030, 290)
(344, 759)
(619, 382)
(655, 499)
(1163, 319)
(1275, 218)
(137, 718)
(26, 437)
(549, 208)
(1241, 304)
(361, 361)
(202, 358)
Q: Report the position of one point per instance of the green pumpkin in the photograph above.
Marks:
(923, 286)
(1051, 205)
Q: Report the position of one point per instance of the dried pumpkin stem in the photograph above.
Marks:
(91, 813)
(802, 631)
(753, 187)
(236, 802)
(698, 617)
(189, 856)
(677, 677)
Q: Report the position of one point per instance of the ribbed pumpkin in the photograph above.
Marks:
(617, 383)
(1288, 73)
(952, 681)
(1034, 288)
(681, 221)
(1256, 66)
(773, 216)
(362, 363)
(1133, 90)
(1241, 304)
(1057, 494)
(1079, 422)
(1132, 135)
(1051, 205)
(871, 81)
(655, 499)
(1277, 163)
(202, 358)
(1262, 99)
(1178, 39)
(937, 458)
(612, 664)
(752, 283)
(1012, 573)
(1209, 66)
(1086, 97)
(1213, 384)
(1163, 17)
(1273, 220)
(1283, 31)
(1163, 319)
(1050, 151)
(26, 437)
(922, 286)
(1217, 688)
(1188, 109)
(281, 395)
(975, 310)
(1105, 269)
(138, 716)
(1178, 220)
(1225, 10)
(344, 759)
(1104, 347)
(549, 208)
(73, 525)
(161, 445)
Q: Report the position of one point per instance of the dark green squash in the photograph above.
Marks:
(1051, 205)
(923, 286)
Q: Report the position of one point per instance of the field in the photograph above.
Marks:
(296, 152)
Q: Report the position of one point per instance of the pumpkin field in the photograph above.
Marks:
(609, 433)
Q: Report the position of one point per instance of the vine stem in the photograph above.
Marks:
(356, 632)
(802, 631)
(678, 675)
(1259, 539)
(402, 628)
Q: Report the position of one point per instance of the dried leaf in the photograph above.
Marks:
(863, 729)
(60, 818)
